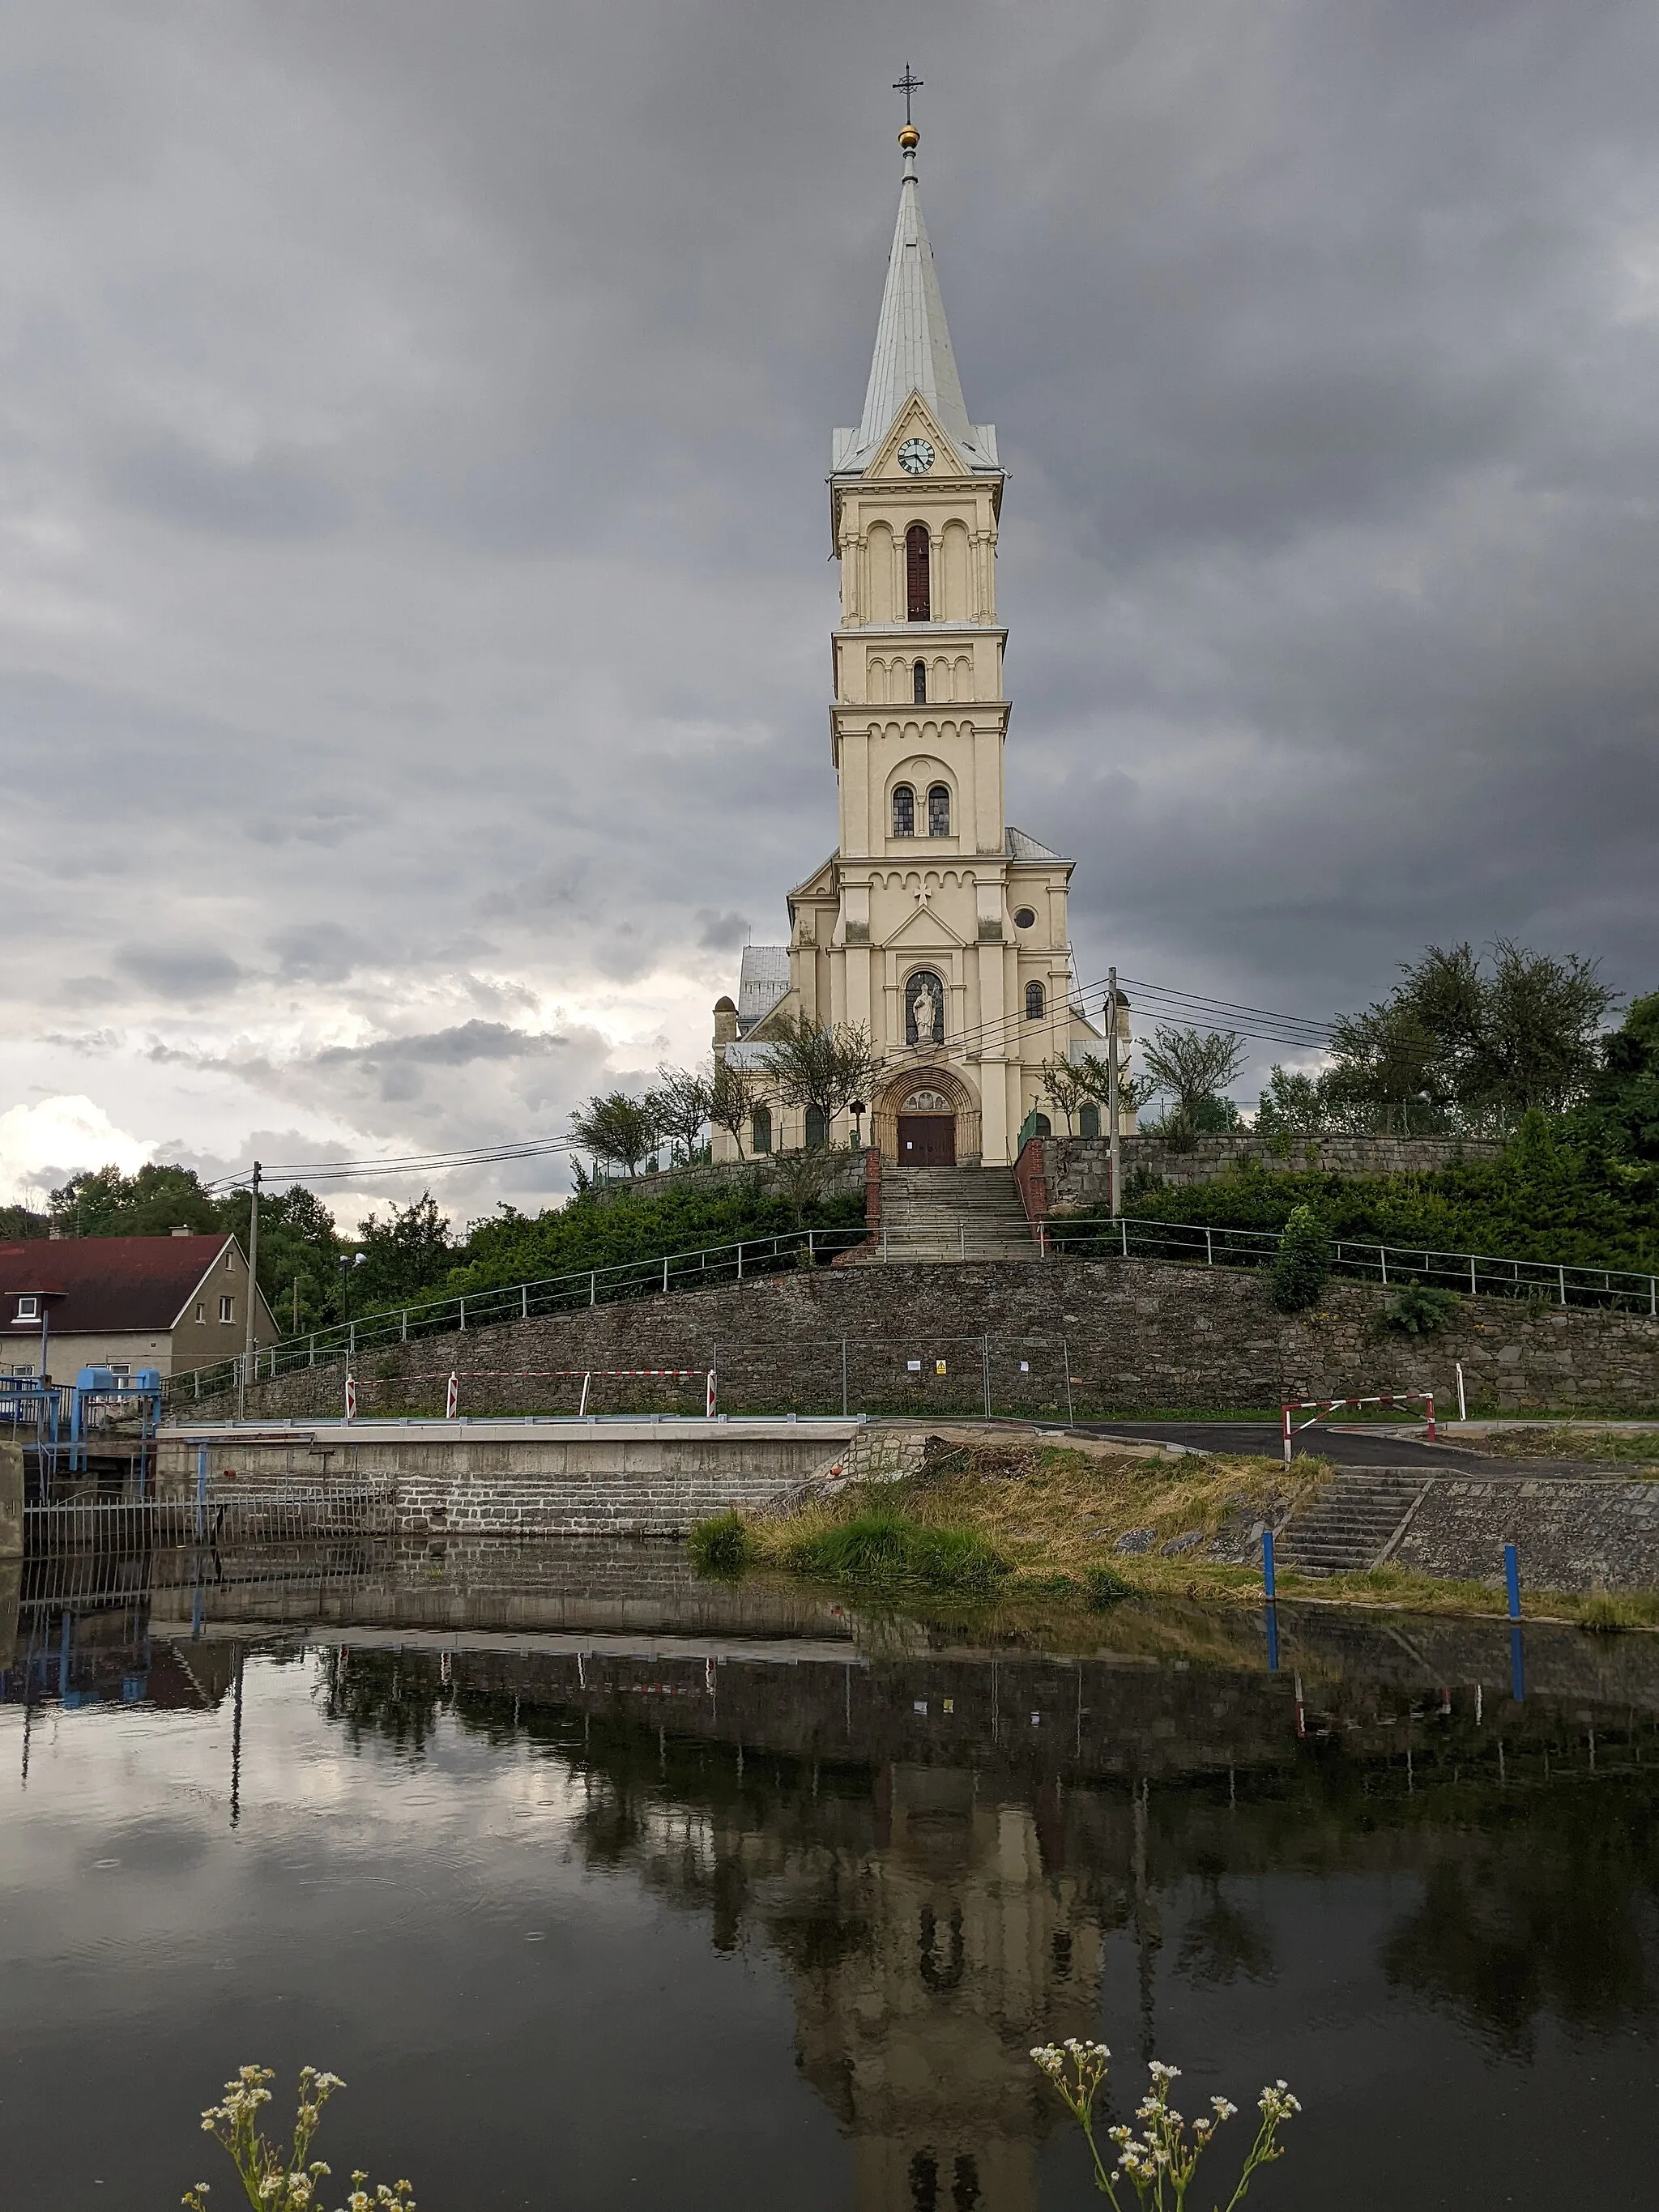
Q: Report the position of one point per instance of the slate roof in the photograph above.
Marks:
(1022, 846)
(106, 1283)
(913, 350)
(763, 980)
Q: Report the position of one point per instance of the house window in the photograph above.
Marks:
(120, 1368)
(939, 810)
(1088, 1120)
(200, 1313)
(904, 810)
(29, 1308)
(227, 1309)
(1024, 917)
(1036, 1002)
(817, 1128)
(918, 582)
(760, 1134)
(230, 1259)
(919, 685)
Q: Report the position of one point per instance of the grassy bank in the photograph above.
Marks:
(1635, 1451)
(1017, 1523)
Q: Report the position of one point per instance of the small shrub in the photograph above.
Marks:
(1302, 1264)
(1607, 1616)
(1105, 1587)
(283, 2176)
(722, 1546)
(1419, 1309)
(889, 1546)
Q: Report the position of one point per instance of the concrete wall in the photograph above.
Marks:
(11, 1498)
(1143, 1336)
(511, 1480)
(1074, 1169)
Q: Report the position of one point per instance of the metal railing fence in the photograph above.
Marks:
(219, 1515)
(1476, 1274)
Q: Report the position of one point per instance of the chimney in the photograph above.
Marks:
(184, 1232)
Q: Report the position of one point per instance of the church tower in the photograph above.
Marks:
(935, 924)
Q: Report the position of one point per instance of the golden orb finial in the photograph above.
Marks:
(910, 138)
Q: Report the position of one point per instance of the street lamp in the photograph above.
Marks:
(349, 1261)
(857, 1108)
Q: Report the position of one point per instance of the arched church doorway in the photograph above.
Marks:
(926, 1117)
(926, 1130)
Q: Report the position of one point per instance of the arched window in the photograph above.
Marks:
(1088, 1120)
(1036, 1002)
(817, 1128)
(939, 810)
(760, 1132)
(904, 810)
(918, 581)
(919, 685)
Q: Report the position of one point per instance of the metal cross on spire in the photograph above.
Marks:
(908, 84)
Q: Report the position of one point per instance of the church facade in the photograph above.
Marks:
(935, 924)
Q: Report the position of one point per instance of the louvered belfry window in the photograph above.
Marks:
(918, 581)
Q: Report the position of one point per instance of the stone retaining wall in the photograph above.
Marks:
(1569, 1534)
(1137, 1336)
(1074, 1169)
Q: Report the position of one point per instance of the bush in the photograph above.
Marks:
(722, 1546)
(1419, 1309)
(889, 1546)
(1302, 1263)
(1105, 1587)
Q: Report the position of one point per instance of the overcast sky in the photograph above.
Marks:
(413, 584)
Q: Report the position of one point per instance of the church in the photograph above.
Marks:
(935, 924)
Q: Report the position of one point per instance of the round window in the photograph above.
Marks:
(1024, 917)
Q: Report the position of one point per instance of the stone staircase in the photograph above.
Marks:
(952, 1213)
(1353, 1523)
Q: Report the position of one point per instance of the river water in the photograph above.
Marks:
(604, 1887)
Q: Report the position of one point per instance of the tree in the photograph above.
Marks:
(617, 1128)
(405, 1257)
(1065, 1092)
(1293, 1105)
(802, 1179)
(733, 1096)
(1621, 1105)
(1094, 1080)
(1457, 1048)
(1302, 1262)
(681, 1103)
(1191, 1067)
(822, 1069)
(104, 1202)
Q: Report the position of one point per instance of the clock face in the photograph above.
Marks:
(915, 457)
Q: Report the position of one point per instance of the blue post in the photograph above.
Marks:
(1269, 1581)
(1273, 1639)
(1518, 1669)
(201, 1493)
(1512, 1578)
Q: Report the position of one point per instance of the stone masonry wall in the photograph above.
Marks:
(1074, 1169)
(1139, 1336)
(1569, 1534)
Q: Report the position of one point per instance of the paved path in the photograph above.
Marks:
(1378, 1445)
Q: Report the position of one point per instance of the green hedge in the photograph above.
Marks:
(604, 1231)
(1545, 1197)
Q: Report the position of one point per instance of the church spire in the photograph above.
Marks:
(913, 351)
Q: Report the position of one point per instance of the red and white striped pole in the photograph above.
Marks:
(452, 1397)
(351, 1397)
(1287, 1435)
(711, 1394)
(1428, 1400)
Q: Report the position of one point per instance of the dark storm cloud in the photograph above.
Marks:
(179, 971)
(417, 419)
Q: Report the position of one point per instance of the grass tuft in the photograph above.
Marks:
(722, 1546)
(883, 1546)
(1105, 1587)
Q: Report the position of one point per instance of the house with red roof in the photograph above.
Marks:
(170, 1303)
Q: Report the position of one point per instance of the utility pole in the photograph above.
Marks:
(1115, 1154)
(252, 1266)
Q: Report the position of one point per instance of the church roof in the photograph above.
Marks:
(763, 980)
(1022, 846)
(913, 350)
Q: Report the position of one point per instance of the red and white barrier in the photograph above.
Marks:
(351, 1398)
(588, 1376)
(1320, 1409)
(452, 1397)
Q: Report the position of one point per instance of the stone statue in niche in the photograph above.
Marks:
(925, 1009)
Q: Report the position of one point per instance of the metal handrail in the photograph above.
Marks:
(1479, 1275)
(580, 1287)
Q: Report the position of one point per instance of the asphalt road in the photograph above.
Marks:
(1377, 1446)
